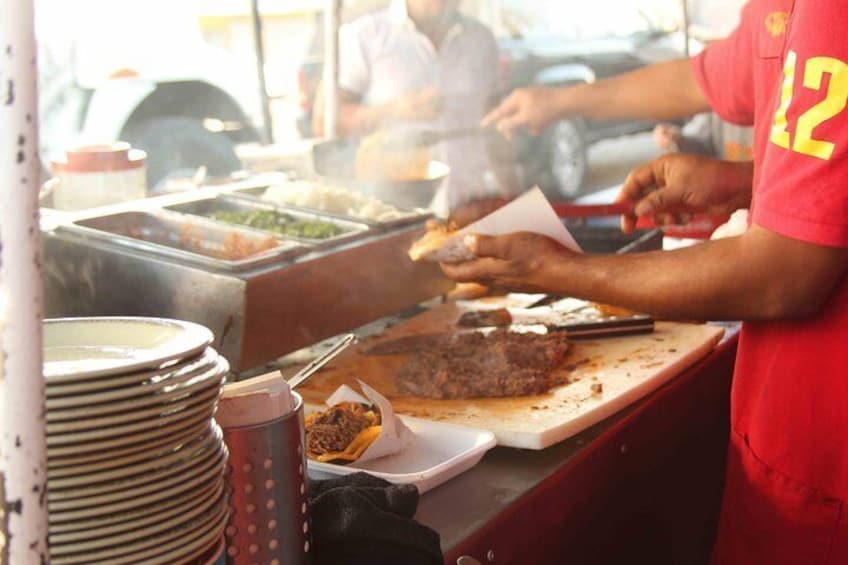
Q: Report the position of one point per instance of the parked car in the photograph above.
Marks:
(147, 78)
(554, 43)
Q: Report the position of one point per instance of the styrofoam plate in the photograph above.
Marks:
(438, 452)
(77, 349)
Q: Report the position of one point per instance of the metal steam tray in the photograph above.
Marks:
(254, 194)
(193, 240)
(225, 203)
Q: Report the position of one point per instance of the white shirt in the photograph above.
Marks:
(383, 56)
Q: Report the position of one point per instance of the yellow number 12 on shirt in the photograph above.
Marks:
(833, 103)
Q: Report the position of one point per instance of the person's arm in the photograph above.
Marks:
(758, 276)
(664, 91)
(356, 118)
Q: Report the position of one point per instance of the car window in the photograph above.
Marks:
(576, 19)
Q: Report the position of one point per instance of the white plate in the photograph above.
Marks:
(125, 521)
(132, 420)
(63, 433)
(188, 458)
(208, 508)
(130, 382)
(133, 387)
(192, 533)
(195, 545)
(142, 450)
(77, 349)
(134, 492)
(211, 472)
(133, 442)
(96, 474)
(438, 452)
(171, 393)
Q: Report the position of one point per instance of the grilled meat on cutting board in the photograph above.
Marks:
(475, 365)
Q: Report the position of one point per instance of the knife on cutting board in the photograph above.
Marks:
(569, 321)
(519, 321)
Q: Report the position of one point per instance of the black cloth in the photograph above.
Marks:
(362, 520)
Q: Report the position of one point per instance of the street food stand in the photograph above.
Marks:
(640, 484)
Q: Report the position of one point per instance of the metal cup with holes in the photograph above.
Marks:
(269, 521)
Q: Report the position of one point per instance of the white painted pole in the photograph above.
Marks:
(332, 19)
(685, 6)
(23, 459)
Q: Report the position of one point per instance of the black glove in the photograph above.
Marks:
(362, 520)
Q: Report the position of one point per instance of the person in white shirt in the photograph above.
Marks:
(421, 64)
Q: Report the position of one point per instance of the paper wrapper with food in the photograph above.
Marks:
(530, 212)
(393, 435)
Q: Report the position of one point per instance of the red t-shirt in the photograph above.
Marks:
(785, 70)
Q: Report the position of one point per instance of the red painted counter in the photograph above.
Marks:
(641, 487)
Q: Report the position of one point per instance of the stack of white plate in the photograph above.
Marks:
(135, 460)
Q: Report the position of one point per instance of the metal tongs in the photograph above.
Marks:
(400, 140)
(322, 360)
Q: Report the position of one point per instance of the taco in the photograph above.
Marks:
(440, 243)
(342, 432)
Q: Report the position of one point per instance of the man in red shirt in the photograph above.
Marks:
(784, 70)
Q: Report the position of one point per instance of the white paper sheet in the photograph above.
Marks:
(394, 435)
(530, 212)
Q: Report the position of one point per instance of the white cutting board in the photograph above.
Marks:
(627, 368)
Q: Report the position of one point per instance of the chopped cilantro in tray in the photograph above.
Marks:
(277, 222)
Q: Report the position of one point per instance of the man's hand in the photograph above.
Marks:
(668, 137)
(470, 212)
(673, 187)
(517, 262)
(420, 105)
(533, 109)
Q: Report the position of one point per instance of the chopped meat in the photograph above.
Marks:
(475, 365)
(485, 318)
(332, 430)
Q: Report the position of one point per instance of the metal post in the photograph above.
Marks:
(23, 459)
(259, 48)
(332, 19)
(686, 27)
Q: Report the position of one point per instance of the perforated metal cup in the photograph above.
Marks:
(269, 521)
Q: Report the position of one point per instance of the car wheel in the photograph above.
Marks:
(177, 143)
(567, 159)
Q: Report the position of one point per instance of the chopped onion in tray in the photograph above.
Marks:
(335, 199)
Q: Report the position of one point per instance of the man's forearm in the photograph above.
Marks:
(358, 119)
(665, 91)
(733, 279)
(354, 119)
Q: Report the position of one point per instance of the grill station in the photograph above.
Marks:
(262, 294)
